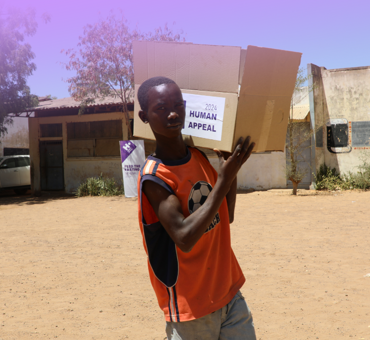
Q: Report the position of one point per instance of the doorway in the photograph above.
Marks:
(51, 165)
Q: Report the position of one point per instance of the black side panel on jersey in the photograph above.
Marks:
(161, 249)
(162, 253)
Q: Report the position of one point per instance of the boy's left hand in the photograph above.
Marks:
(230, 163)
(224, 154)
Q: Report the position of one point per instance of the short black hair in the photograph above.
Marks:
(142, 93)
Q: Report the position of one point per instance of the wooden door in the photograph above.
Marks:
(51, 165)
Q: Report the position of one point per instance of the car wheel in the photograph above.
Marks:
(20, 191)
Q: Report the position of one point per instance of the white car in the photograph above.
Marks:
(15, 173)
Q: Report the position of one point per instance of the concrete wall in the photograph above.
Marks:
(261, 171)
(76, 169)
(17, 136)
(343, 94)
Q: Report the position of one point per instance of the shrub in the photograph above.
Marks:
(361, 179)
(99, 186)
(329, 179)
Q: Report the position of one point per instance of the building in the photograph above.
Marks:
(15, 141)
(66, 148)
(340, 112)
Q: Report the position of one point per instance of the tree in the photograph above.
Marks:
(297, 136)
(16, 62)
(103, 61)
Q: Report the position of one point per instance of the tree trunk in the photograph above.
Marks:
(127, 118)
(295, 187)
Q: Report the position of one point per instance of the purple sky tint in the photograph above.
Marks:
(334, 34)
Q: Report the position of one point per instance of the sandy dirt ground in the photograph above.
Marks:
(75, 268)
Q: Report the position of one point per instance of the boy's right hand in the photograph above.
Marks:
(228, 169)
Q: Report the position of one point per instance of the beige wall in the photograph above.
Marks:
(76, 170)
(17, 136)
(344, 94)
(261, 171)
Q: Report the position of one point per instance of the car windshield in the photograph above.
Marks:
(1, 159)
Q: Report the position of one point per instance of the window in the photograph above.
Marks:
(94, 139)
(23, 161)
(9, 163)
(15, 162)
(16, 151)
(51, 130)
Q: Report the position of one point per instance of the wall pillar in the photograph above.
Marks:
(33, 128)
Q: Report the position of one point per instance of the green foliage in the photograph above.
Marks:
(15, 62)
(329, 179)
(99, 186)
(360, 179)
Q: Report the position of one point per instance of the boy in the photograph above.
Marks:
(192, 267)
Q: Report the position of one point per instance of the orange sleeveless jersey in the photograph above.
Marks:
(188, 285)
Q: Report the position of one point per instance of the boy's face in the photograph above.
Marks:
(166, 111)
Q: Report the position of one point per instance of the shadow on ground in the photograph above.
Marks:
(289, 192)
(245, 191)
(8, 197)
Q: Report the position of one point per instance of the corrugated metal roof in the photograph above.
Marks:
(69, 102)
(301, 107)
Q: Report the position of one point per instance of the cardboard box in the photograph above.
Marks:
(229, 92)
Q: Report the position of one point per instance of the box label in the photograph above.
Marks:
(204, 116)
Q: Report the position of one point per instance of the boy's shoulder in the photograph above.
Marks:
(194, 156)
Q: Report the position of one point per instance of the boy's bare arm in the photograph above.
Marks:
(231, 200)
(231, 195)
(186, 232)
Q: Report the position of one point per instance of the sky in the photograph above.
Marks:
(333, 34)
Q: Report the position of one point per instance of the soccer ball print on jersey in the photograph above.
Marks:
(198, 195)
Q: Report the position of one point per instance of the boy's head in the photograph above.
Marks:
(162, 106)
(142, 94)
